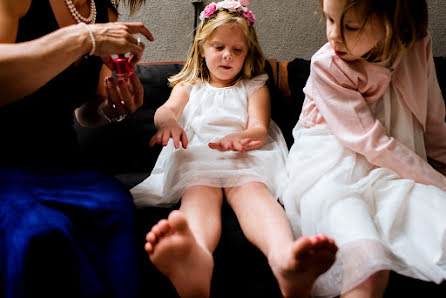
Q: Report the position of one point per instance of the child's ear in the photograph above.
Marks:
(201, 53)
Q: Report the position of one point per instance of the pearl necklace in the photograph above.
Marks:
(78, 17)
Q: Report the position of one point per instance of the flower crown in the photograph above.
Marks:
(231, 6)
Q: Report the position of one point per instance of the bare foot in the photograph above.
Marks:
(297, 269)
(173, 250)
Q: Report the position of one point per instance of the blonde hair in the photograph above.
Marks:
(195, 67)
(133, 5)
(405, 22)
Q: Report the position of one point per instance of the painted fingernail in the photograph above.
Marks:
(228, 147)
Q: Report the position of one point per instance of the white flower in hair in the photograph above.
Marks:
(230, 5)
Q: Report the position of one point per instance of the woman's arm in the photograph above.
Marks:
(109, 94)
(27, 66)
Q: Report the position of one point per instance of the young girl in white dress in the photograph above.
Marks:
(219, 110)
(359, 173)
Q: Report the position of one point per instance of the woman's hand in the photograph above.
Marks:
(235, 142)
(118, 38)
(172, 130)
(123, 97)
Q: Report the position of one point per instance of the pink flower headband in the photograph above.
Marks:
(232, 6)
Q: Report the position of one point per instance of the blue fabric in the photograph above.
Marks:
(65, 234)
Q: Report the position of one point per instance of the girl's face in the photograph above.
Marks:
(225, 52)
(359, 39)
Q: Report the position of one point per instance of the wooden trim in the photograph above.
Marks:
(282, 77)
(160, 63)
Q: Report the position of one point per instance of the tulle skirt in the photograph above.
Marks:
(378, 220)
(177, 169)
(65, 234)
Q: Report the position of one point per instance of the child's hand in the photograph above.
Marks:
(163, 135)
(235, 142)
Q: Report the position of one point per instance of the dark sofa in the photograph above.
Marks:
(241, 270)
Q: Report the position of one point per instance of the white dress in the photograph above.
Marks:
(211, 114)
(378, 220)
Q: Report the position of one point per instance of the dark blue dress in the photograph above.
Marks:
(65, 231)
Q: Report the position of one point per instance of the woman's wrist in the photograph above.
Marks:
(92, 38)
(80, 35)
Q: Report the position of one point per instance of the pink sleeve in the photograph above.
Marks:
(340, 94)
(435, 136)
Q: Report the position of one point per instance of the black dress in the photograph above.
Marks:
(64, 231)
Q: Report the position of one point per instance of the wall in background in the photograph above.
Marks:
(286, 28)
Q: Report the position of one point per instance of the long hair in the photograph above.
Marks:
(195, 67)
(133, 5)
(405, 22)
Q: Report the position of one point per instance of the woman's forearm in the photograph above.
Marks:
(27, 66)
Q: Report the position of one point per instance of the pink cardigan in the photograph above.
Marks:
(337, 93)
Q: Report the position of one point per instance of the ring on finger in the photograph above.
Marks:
(138, 41)
(116, 117)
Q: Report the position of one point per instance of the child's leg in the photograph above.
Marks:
(181, 247)
(296, 264)
(374, 286)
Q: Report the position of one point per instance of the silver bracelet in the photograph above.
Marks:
(93, 41)
(108, 119)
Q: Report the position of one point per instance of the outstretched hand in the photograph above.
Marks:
(163, 135)
(235, 142)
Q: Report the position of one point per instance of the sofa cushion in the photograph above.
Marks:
(285, 109)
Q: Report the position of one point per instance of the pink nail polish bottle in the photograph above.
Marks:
(122, 65)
